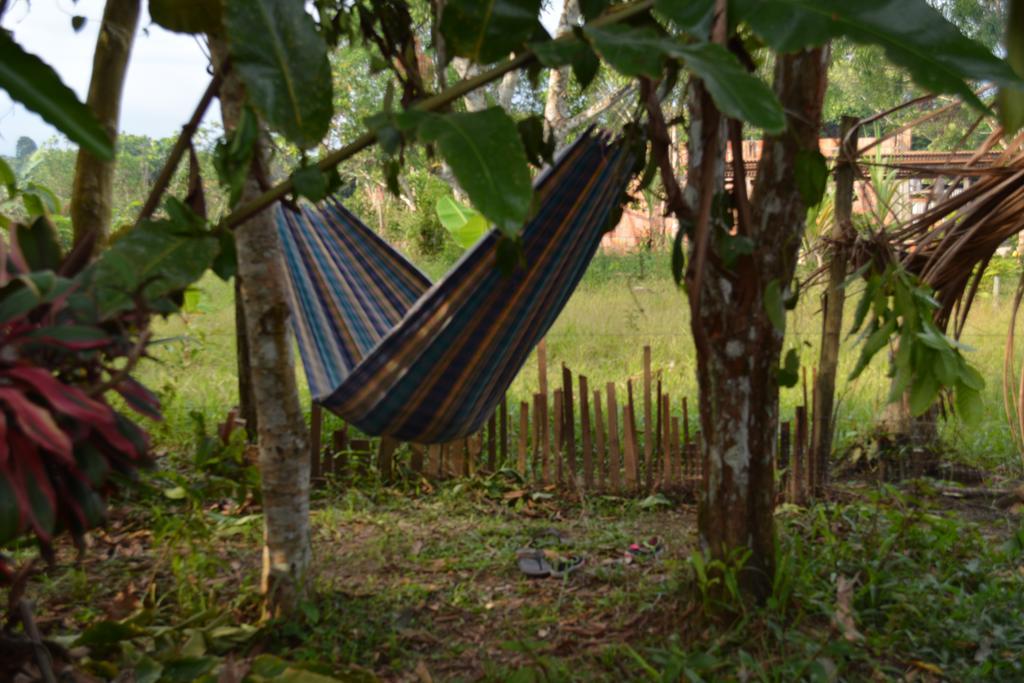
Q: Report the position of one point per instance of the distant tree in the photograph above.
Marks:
(24, 148)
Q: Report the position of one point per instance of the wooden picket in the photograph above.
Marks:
(615, 453)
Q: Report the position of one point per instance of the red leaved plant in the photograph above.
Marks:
(61, 443)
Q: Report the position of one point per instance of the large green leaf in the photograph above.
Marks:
(465, 225)
(282, 59)
(913, 34)
(630, 50)
(157, 257)
(486, 155)
(693, 16)
(487, 30)
(572, 51)
(187, 16)
(1011, 100)
(29, 80)
(738, 93)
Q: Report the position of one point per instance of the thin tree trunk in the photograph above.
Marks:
(283, 438)
(834, 298)
(554, 106)
(738, 347)
(93, 189)
(246, 402)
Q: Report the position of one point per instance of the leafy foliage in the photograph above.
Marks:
(29, 80)
(61, 442)
(282, 59)
(487, 30)
(913, 34)
(465, 225)
(896, 305)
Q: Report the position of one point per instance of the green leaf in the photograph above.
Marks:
(7, 177)
(789, 374)
(811, 171)
(158, 257)
(774, 307)
(914, 36)
(591, 9)
(465, 225)
(39, 245)
(572, 51)
(540, 149)
(148, 670)
(282, 59)
(738, 93)
(29, 80)
(103, 634)
(1011, 100)
(692, 16)
(225, 265)
(968, 403)
(310, 182)
(485, 31)
(486, 155)
(187, 16)
(232, 157)
(187, 669)
(678, 257)
(923, 391)
(630, 50)
(873, 344)
(971, 378)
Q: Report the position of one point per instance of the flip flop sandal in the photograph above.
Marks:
(533, 563)
(652, 547)
(537, 564)
(564, 566)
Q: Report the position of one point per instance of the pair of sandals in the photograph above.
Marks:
(542, 560)
(540, 563)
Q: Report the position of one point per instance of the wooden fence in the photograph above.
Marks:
(577, 437)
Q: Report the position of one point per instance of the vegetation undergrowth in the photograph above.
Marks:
(417, 578)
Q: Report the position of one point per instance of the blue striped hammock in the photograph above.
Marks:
(396, 355)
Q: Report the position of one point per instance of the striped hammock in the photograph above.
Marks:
(395, 355)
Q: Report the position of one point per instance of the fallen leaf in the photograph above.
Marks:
(422, 673)
(927, 666)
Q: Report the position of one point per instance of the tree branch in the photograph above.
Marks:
(180, 146)
(432, 103)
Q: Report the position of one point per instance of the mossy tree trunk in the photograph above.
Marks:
(93, 190)
(283, 440)
(738, 346)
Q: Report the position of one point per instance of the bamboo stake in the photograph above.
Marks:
(666, 443)
(434, 460)
(784, 464)
(316, 430)
(600, 454)
(337, 464)
(492, 443)
(416, 461)
(540, 457)
(559, 418)
(569, 422)
(524, 428)
(630, 447)
(613, 439)
(503, 431)
(677, 464)
(385, 457)
(648, 452)
(633, 455)
(588, 458)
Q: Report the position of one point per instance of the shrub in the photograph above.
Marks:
(62, 444)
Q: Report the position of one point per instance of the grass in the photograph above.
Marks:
(418, 580)
(623, 304)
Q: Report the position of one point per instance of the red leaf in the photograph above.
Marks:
(5, 450)
(37, 424)
(66, 399)
(121, 442)
(140, 399)
(28, 470)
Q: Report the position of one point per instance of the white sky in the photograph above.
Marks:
(166, 74)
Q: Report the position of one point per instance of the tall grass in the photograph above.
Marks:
(624, 303)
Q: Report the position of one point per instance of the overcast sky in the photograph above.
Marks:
(166, 74)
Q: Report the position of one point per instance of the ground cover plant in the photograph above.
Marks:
(374, 572)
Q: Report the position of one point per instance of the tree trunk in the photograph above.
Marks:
(246, 402)
(93, 189)
(283, 438)
(738, 347)
(554, 107)
(834, 298)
